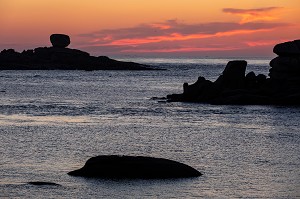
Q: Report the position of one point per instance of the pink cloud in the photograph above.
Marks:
(182, 49)
(251, 15)
(161, 26)
(174, 36)
(263, 42)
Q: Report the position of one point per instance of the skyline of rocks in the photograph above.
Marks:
(59, 57)
(282, 87)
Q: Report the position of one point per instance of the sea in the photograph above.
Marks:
(52, 122)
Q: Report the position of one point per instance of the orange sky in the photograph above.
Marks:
(156, 27)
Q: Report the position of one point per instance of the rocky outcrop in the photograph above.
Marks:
(60, 58)
(120, 167)
(60, 40)
(282, 87)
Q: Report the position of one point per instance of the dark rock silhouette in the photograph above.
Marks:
(234, 87)
(286, 66)
(60, 40)
(234, 75)
(41, 183)
(289, 48)
(120, 167)
(60, 58)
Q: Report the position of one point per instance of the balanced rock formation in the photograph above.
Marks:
(59, 57)
(234, 87)
(120, 167)
(287, 65)
(289, 48)
(60, 40)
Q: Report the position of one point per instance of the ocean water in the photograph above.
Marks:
(51, 122)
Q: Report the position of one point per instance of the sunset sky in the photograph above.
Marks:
(152, 28)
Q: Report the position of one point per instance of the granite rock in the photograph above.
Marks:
(60, 40)
(282, 87)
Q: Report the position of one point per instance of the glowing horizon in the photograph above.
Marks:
(135, 27)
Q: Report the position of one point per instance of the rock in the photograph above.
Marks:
(235, 69)
(286, 64)
(233, 87)
(250, 80)
(196, 89)
(260, 79)
(203, 90)
(9, 55)
(120, 167)
(60, 40)
(234, 74)
(251, 76)
(176, 98)
(41, 183)
(158, 98)
(287, 48)
(60, 58)
(291, 100)
(242, 99)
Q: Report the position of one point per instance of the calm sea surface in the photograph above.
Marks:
(51, 122)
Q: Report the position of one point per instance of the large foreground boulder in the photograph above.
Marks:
(120, 167)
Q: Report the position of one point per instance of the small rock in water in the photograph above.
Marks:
(158, 98)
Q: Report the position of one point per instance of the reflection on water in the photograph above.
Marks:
(43, 120)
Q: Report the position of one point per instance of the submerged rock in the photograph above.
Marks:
(134, 167)
(42, 183)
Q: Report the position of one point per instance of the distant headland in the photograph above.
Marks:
(282, 87)
(59, 57)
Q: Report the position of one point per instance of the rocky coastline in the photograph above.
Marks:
(233, 87)
(59, 57)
